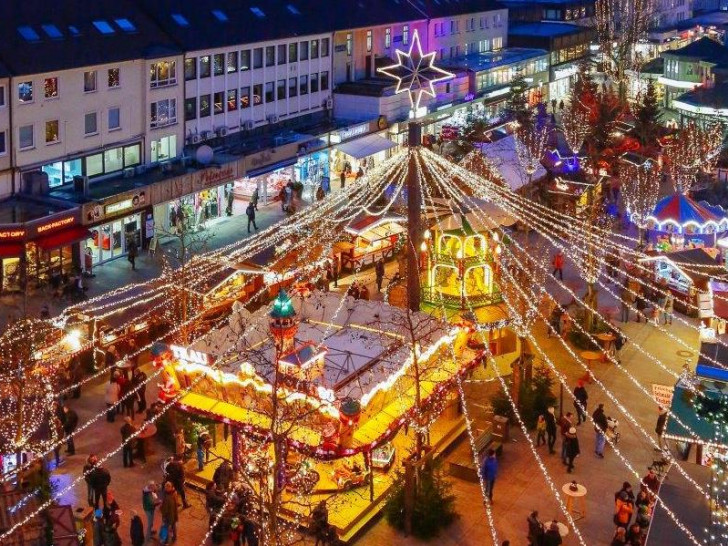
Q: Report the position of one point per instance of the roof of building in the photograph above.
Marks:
(704, 49)
(478, 62)
(713, 18)
(76, 33)
(654, 66)
(709, 97)
(445, 8)
(543, 29)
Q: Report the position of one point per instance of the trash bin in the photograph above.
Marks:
(501, 427)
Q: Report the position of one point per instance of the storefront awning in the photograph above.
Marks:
(63, 238)
(11, 250)
(366, 146)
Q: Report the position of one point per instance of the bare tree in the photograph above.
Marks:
(531, 140)
(575, 124)
(640, 189)
(691, 150)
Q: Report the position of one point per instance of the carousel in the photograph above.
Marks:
(345, 377)
(680, 222)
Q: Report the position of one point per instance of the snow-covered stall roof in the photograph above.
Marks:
(504, 156)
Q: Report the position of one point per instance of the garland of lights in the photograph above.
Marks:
(691, 150)
(640, 191)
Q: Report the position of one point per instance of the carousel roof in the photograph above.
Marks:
(681, 209)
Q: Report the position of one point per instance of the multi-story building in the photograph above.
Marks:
(576, 12)
(6, 180)
(668, 13)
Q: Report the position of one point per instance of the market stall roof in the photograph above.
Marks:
(488, 215)
(370, 222)
(680, 210)
(503, 154)
(682, 260)
(365, 146)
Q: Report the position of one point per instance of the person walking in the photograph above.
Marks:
(600, 428)
(169, 513)
(342, 179)
(282, 198)
(176, 476)
(139, 380)
(379, 270)
(136, 530)
(69, 426)
(127, 451)
(59, 433)
(535, 529)
(551, 429)
(150, 501)
(91, 460)
(111, 397)
(100, 478)
(565, 423)
(668, 308)
(250, 212)
(255, 198)
(558, 264)
(572, 450)
(580, 402)
(127, 399)
(489, 471)
(540, 431)
(660, 429)
(131, 251)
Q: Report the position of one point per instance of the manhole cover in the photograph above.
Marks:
(685, 354)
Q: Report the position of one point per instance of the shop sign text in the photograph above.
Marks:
(12, 234)
(118, 207)
(211, 177)
(352, 132)
(189, 356)
(56, 224)
(262, 159)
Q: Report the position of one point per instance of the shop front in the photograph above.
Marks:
(112, 227)
(40, 252)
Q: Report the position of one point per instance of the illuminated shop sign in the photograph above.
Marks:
(12, 234)
(56, 224)
(189, 356)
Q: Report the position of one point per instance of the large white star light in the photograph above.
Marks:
(415, 72)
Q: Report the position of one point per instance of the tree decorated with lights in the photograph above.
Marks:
(576, 116)
(531, 138)
(648, 119)
(600, 144)
(691, 150)
(620, 26)
(640, 189)
(27, 382)
(517, 107)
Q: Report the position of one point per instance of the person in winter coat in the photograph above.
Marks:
(214, 501)
(111, 397)
(623, 510)
(169, 512)
(571, 448)
(100, 478)
(138, 381)
(620, 537)
(489, 471)
(580, 402)
(127, 430)
(643, 518)
(535, 529)
(552, 536)
(379, 271)
(540, 431)
(136, 530)
(600, 428)
(627, 489)
(558, 264)
(551, 429)
(176, 476)
(150, 501)
(660, 429)
(87, 469)
(223, 476)
(250, 213)
(69, 426)
(634, 535)
(564, 425)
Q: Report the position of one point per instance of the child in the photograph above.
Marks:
(541, 431)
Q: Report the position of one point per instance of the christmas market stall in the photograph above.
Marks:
(574, 191)
(345, 376)
(679, 221)
(370, 238)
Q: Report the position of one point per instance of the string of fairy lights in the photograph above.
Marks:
(562, 379)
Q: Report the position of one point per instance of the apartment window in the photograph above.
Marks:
(232, 62)
(218, 64)
(483, 46)
(292, 87)
(303, 51)
(50, 88)
(303, 85)
(269, 92)
(25, 92)
(314, 49)
(2, 96)
(482, 22)
(25, 137)
(405, 34)
(369, 40)
(281, 91)
(324, 81)
(90, 124)
(190, 69)
(113, 160)
(314, 82)
(51, 132)
(349, 44)
(282, 54)
(205, 106)
(270, 55)
(218, 102)
(191, 108)
(114, 119)
(388, 38)
(245, 97)
(258, 57)
(162, 149)
(232, 100)
(163, 73)
(163, 112)
(324, 47)
(244, 60)
(257, 94)
(498, 43)
(205, 66)
(113, 78)
(89, 81)
(452, 27)
(3, 149)
(292, 52)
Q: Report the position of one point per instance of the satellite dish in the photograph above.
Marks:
(204, 155)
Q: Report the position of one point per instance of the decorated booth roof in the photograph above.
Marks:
(683, 210)
(282, 306)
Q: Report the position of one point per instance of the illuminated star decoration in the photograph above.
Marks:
(415, 72)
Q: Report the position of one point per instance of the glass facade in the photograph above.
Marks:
(107, 162)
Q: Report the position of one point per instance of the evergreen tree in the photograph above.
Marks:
(517, 105)
(648, 118)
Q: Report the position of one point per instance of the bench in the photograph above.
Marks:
(463, 466)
